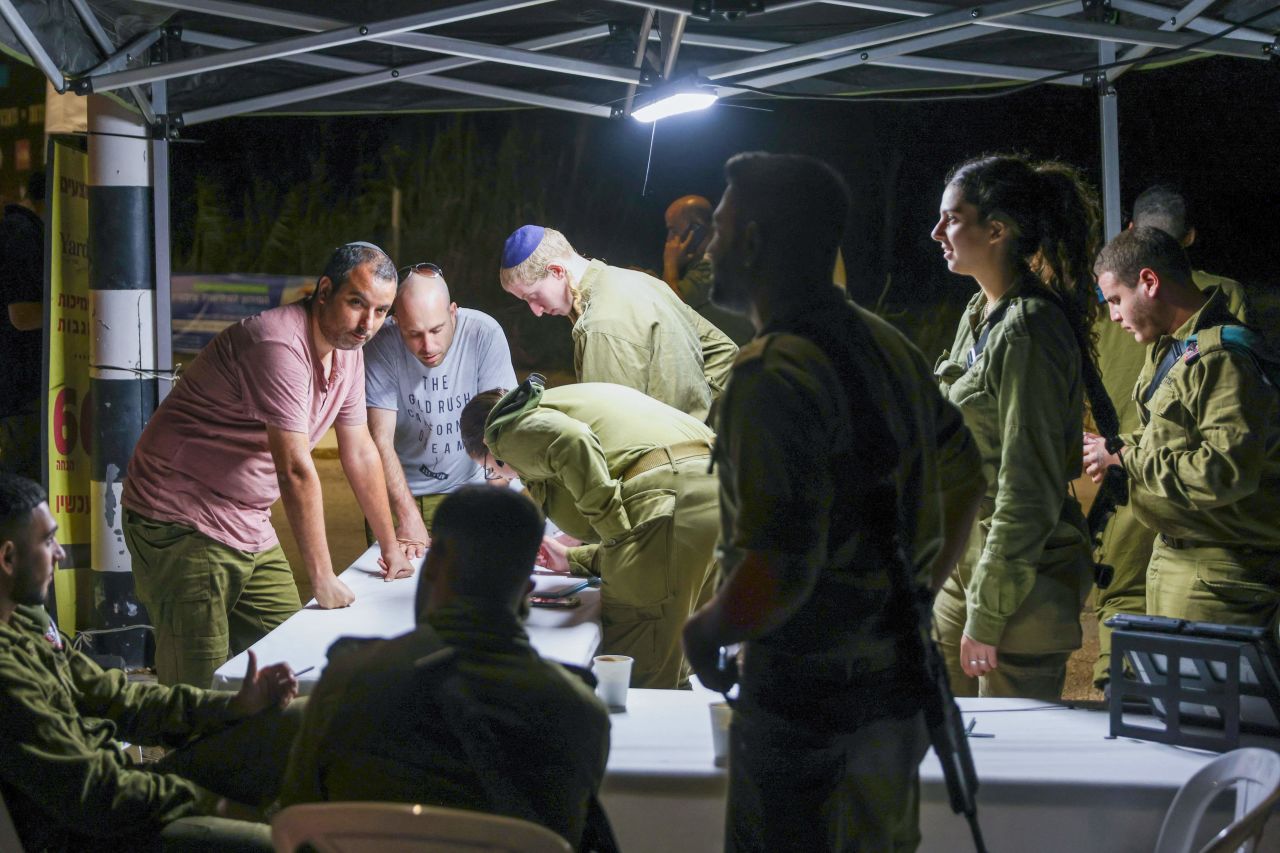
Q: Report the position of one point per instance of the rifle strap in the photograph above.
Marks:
(850, 357)
(1176, 351)
(847, 355)
(988, 324)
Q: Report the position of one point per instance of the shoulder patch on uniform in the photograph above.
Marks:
(1192, 352)
(1241, 340)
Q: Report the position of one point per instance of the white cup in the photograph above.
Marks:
(613, 677)
(721, 715)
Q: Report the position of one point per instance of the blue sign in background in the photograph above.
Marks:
(203, 305)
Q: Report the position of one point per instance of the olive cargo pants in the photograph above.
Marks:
(207, 601)
(657, 576)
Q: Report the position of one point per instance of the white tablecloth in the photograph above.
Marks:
(1050, 780)
(385, 609)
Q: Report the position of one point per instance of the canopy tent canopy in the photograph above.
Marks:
(220, 58)
(181, 63)
(185, 62)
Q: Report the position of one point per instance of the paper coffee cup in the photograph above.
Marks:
(721, 716)
(613, 677)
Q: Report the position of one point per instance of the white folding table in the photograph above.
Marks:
(1050, 780)
(385, 609)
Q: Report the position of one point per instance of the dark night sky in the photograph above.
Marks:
(1209, 125)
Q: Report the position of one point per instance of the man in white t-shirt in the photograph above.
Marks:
(420, 370)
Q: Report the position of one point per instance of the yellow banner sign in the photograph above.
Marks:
(68, 409)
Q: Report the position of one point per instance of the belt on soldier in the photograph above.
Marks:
(1183, 544)
(660, 456)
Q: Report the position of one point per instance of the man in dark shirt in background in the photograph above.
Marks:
(687, 270)
(21, 331)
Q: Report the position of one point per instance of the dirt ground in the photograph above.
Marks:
(346, 542)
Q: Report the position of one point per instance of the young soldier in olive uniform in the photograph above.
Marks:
(621, 471)
(835, 450)
(1204, 470)
(1126, 542)
(1008, 619)
(65, 779)
(628, 327)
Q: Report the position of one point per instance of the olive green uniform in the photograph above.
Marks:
(694, 288)
(1026, 571)
(629, 475)
(66, 780)
(220, 602)
(1126, 544)
(827, 736)
(632, 330)
(1204, 473)
(378, 727)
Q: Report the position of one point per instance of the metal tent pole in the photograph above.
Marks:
(286, 47)
(1109, 121)
(163, 261)
(646, 26)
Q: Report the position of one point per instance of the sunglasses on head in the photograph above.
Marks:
(421, 269)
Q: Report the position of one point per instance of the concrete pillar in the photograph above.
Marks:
(123, 347)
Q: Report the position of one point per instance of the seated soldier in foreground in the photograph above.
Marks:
(461, 712)
(64, 777)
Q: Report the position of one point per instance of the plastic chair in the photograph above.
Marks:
(8, 832)
(353, 827)
(1255, 775)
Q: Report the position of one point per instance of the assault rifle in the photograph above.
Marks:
(947, 733)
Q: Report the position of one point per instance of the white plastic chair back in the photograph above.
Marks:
(8, 832)
(350, 827)
(1255, 775)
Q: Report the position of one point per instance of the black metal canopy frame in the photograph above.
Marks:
(185, 62)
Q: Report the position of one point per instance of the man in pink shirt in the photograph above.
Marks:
(235, 435)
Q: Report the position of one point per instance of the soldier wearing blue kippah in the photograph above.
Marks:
(628, 327)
